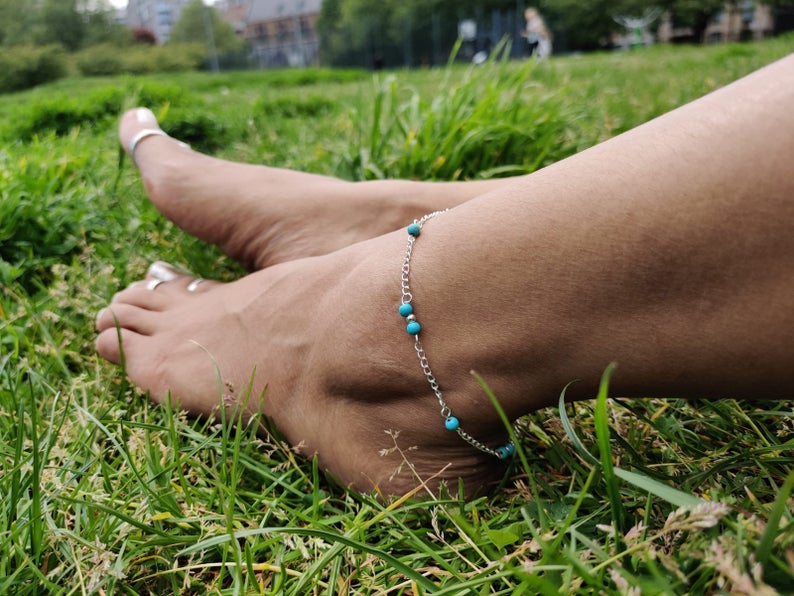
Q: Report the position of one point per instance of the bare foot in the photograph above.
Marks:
(261, 215)
(327, 358)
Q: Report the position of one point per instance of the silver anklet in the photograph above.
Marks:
(413, 328)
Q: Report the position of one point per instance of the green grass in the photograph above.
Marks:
(101, 492)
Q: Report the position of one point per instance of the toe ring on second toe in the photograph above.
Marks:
(152, 284)
(193, 285)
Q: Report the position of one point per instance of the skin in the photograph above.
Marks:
(668, 249)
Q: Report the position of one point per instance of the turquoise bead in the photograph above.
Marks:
(451, 423)
(414, 229)
(406, 309)
(511, 449)
(413, 328)
(502, 452)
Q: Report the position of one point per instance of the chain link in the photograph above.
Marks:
(407, 297)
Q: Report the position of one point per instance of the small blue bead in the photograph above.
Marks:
(511, 449)
(413, 328)
(414, 229)
(502, 452)
(451, 423)
(406, 309)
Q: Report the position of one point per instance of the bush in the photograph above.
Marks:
(310, 106)
(100, 60)
(26, 67)
(171, 58)
(202, 131)
(60, 114)
(155, 94)
(107, 59)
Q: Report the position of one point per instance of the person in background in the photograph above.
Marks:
(537, 34)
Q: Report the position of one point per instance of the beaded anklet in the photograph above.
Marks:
(413, 328)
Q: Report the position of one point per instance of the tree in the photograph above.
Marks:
(695, 14)
(63, 23)
(581, 25)
(192, 28)
(73, 24)
(399, 32)
(589, 25)
(101, 27)
(19, 23)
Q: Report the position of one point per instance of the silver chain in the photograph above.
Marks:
(501, 452)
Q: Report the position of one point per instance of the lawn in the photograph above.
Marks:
(103, 493)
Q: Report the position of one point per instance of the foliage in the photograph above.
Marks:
(104, 59)
(63, 23)
(144, 36)
(72, 24)
(197, 128)
(578, 26)
(41, 216)
(102, 492)
(100, 60)
(581, 26)
(357, 32)
(584, 26)
(490, 122)
(192, 28)
(60, 114)
(27, 66)
(294, 106)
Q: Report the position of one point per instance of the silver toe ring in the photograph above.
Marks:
(193, 285)
(141, 135)
(152, 284)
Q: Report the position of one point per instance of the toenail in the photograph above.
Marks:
(163, 271)
(99, 315)
(145, 116)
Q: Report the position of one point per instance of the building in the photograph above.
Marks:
(158, 16)
(280, 32)
(234, 12)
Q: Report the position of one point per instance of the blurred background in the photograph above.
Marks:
(51, 38)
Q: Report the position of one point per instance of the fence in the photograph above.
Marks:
(372, 43)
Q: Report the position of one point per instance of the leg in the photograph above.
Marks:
(262, 215)
(669, 249)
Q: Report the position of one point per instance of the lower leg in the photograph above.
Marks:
(669, 249)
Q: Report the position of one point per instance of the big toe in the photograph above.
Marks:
(139, 128)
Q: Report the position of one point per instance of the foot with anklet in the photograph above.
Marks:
(685, 282)
(348, 389)
(177, 333)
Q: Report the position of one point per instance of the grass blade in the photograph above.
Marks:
(773, 524)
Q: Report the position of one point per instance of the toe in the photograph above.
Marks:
(126, 316)
(164, 271)
(112, 342)
(164, 287)
(135, 120)
(137, 307)
(139, 128)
